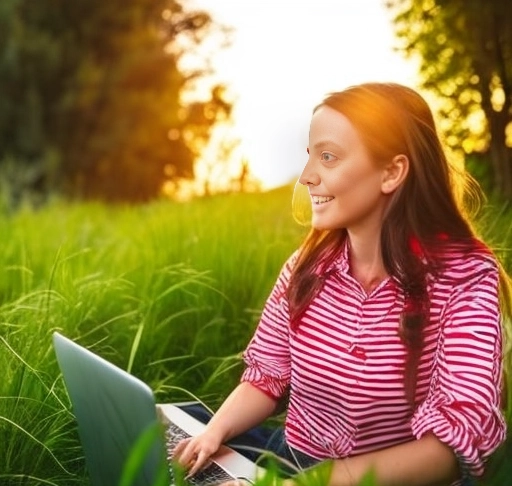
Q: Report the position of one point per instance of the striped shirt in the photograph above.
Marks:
(344, 363)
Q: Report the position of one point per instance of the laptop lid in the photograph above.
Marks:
(116, 414)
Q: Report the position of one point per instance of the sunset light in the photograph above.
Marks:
(284, 57)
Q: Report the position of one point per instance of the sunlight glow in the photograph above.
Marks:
(285, 57)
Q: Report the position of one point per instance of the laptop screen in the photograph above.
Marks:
(115, 413)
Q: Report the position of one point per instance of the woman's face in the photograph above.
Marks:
(345, 185)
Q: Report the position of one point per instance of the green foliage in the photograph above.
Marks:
(319, 476)
(137, 455)
(171, 292)
(464, 49)
(93, 95)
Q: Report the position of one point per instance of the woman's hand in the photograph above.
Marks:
(194, 454)
(245, 407)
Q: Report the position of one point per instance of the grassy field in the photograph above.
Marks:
(170, 292)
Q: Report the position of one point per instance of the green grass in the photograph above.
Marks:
(170, 292)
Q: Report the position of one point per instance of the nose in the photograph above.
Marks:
(309, 175)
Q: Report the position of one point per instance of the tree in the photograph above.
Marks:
(94, 93)
(465, 52)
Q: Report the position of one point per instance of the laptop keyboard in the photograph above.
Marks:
(210, 476)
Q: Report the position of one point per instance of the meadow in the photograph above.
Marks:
(170, 292)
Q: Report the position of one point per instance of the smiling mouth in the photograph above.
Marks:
(321, 199)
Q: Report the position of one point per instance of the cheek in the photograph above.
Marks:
(357, 182)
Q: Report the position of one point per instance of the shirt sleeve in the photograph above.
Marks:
(267, 356)
(462, 407)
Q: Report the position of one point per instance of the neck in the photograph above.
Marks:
(365, 257)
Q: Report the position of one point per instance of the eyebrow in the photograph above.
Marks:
(327, 144)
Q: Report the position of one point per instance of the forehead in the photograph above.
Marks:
(329, 125)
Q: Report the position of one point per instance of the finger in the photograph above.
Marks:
(199, 462)
(186, 459)
(188, 455)
(180, 447)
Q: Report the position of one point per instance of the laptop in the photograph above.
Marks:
(128, 438)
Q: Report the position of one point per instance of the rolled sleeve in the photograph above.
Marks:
(463, 404)
(267, 357)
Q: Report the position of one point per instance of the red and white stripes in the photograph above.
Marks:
(345, 363)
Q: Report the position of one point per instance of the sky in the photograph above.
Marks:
(284, 57)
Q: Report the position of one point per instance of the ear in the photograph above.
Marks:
(394, 173)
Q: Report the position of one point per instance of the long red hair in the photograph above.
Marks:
(424, 214)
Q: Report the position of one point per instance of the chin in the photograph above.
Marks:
(325, 225)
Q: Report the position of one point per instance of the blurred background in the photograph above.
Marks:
(133, 101)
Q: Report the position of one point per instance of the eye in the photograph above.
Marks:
(327, 157)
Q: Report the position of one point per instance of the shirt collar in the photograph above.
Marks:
(340, 264)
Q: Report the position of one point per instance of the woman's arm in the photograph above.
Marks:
(244, 408)
(266, 375)
(422, 462)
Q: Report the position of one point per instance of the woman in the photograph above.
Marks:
(384, 327)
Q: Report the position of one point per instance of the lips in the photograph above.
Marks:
(321, 199)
